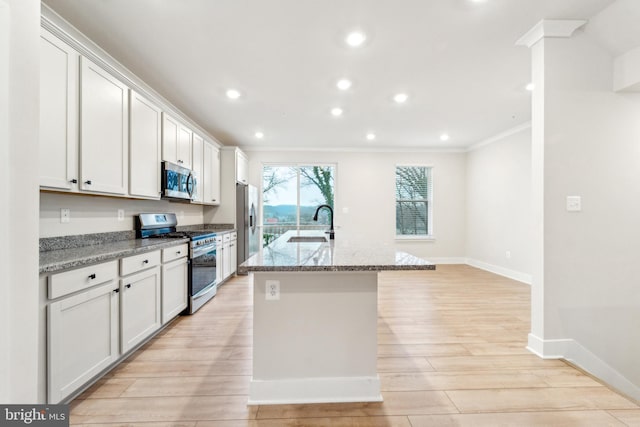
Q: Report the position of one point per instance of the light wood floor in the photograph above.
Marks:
(451, 352)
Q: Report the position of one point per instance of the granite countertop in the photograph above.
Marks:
(65, 252)
(335, 255)
(62, 259)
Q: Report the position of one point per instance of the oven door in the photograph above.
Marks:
(202, 276)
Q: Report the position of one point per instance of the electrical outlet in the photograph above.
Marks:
(508, 254)
(574, 203)
(65, 216)
(120, 214)
(272, 290)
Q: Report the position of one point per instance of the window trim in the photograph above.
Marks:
(430, 236)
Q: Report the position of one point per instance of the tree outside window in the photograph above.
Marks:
(413, 201)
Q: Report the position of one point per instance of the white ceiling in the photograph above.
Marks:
(455, 58)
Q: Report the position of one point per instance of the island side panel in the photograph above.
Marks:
(318, 341)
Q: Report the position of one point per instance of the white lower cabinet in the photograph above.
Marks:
(174, 288)
(82, 338)
(96, 315)
(139, 307)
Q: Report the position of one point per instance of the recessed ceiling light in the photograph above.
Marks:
(336, 112)
(233, 94)
(343, 84)
(530, 87)
(371, 136)
(259, 135)
(356, 39)
(400, 97)
(444, 137)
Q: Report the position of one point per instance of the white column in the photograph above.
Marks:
(19, 199)
(536, 39)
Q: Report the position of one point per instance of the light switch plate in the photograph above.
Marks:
(574, 203)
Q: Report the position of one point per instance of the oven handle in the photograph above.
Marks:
(203, 250)
(204, 291)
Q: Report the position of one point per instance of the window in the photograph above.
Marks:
(414, 188)
(290, 196)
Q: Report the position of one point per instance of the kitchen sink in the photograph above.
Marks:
(307, 239)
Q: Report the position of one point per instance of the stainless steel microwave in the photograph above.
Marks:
(178, 183)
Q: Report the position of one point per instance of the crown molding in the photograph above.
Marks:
(550, 28)
(500, 136)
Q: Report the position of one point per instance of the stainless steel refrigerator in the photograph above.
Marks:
(247, 221)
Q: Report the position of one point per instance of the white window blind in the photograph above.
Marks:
(414, 189)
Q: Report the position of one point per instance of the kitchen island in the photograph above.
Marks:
(315, 318)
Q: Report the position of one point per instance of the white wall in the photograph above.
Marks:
(365, 185)
(19, 121)
(592, 150)
(94, 214)
(498, 212)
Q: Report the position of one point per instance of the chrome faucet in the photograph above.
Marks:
(331, 232)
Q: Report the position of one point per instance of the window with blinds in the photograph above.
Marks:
(414, 191)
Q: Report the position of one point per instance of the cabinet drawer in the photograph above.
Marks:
(175, 252)
(75, 280)
(140, 262)
(226, 237)
(234, 235)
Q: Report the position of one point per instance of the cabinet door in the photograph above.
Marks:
(103, 131)
(211, 175)
(82, 338)
(233, 256)
(226, 260)
(169, 138)
(198, 166)
(139, 307)
(58, 114)
(174, 289)
(184, 146)
(219, 263)
(144, 147)
(242, 168)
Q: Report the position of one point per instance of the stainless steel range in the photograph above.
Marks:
(202, 254)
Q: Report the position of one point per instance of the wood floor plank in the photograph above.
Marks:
(162, 409)
(538, 399)
(449, 341)
(218, 385)
(401, 421)
(630, 417)
(518, 419)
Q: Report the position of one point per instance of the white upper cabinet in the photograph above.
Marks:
(197, 167)
(145, 144)
(211, 175)
(58, 114)
(184, 146)
(103, 131)
(169, 138)
(176, 142)
(242, 167)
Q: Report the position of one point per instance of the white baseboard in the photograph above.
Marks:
(447, 260)
(502, 271)
(315, 390)
(574, 352)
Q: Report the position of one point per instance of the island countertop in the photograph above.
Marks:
(333, 255)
